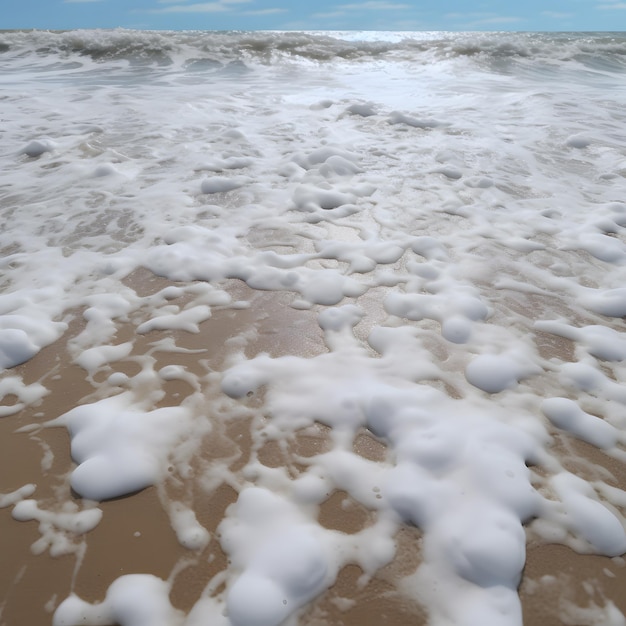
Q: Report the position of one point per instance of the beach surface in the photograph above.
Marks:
(559, 585)
(304, 329)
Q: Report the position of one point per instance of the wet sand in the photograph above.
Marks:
(136, 536)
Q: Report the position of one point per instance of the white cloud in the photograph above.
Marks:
(374, 5)
(499, 20)
(265, 12)
(204, 7)
(329, 15)
(482, 19)
(556, 15)
(613, 6)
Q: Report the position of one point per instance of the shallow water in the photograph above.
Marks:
(410, 244)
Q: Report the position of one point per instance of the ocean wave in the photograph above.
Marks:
(605, 50)
(159, 46)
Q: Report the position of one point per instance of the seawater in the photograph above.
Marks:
(449, 207)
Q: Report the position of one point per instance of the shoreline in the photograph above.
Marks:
(554, 580)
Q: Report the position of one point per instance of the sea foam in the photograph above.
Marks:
(437, 218)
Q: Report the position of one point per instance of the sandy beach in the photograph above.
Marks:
(559, 585)
(308, 329)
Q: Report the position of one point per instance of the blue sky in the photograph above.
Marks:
(317, 14)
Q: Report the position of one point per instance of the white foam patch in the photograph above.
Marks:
(448, 300)
(568, 416)
(606, 613)
(22, 336)
(601, 342)
(76, 522)
(120, 449)
(9, 499)
(363, 256)
(58, 528)
(26, 394)
(603, 247)
(220, 184)
(588, 377)
(496, 372)
(37, 147)
(309, 198)
(441, 453)
(191, 534)
(363, 109)
(579, 141)
(340, 318)
(320, 156)
(585, 515)
(207, 611)
(94, 358)
(397, 117)
(282, 555)
(131, 600)
(610, 302)
(187, 319)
